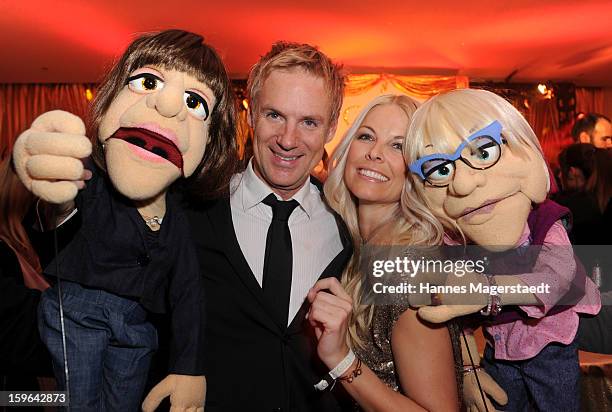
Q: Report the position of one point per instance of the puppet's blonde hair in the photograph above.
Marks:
(458, 114)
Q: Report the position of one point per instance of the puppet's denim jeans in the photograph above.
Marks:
(547, 382)
(109, 346)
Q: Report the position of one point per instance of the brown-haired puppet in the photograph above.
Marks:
(165, 111)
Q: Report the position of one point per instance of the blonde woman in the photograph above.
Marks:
(386, 357)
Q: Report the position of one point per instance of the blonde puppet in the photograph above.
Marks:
(479, 167)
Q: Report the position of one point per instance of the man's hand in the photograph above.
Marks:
(187, 394)
(48, 155)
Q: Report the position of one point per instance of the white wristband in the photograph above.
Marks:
(343, 366)
(337, 372)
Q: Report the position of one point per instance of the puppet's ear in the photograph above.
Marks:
(550, 181)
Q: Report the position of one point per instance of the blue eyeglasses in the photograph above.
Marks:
(481, 150)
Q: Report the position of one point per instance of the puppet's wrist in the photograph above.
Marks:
(494, 303)
(470, 369)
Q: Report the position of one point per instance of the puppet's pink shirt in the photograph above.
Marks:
(555, 266)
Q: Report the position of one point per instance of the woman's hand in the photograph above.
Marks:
(329, 315)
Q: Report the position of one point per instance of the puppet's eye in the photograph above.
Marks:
(197, 105)
(483, 151)
(438, 171)
(145, 82)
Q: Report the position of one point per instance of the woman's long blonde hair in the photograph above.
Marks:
(413, 223)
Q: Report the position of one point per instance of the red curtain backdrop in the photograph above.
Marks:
(589, 100)
(20, 104)
(607, 97)
(543, 117)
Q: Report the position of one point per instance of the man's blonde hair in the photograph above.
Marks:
(288, 56)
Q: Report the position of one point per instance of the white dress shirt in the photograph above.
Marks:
(314, 233)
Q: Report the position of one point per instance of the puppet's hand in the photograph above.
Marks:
(48, 156)
(444, 313)
(474, 399)
(186, 393)
(464, 296)
(471, 394)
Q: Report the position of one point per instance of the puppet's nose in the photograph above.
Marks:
(466, 179)
(168, 101)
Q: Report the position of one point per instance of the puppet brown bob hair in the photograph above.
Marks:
(186, 52)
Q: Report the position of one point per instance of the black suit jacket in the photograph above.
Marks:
(251, 362)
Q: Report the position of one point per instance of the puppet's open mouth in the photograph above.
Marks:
(151, 142)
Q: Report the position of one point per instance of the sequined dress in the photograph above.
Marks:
(376, 351)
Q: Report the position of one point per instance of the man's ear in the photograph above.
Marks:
(584, 137)
(331, 132)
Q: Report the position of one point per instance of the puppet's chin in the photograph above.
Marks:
(135, 178)
(503, 228)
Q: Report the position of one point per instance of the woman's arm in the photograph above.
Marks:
(423, 356)
(424, 362)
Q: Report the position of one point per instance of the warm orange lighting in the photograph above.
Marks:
(545, 91)
(542, 88)
(245, 104)
(88, 94)
(526, 104)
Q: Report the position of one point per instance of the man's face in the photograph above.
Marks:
(291, 125)
(602, 134)
(171, 104)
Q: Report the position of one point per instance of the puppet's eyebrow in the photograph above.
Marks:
(429, 145)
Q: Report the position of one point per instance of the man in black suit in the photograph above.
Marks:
(258, 265)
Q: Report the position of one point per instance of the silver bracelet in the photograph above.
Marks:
(494, 304)
(471, 369)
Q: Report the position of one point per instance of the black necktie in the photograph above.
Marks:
(278, 261)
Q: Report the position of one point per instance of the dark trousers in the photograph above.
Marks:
(109, 345)
(547, 382)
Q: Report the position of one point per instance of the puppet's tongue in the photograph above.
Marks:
(152, 142)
